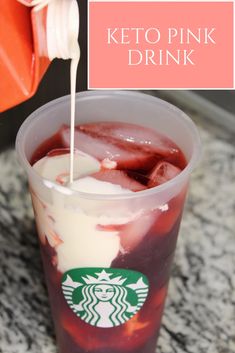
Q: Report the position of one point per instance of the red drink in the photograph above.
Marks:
(108, 238)
(136, 159)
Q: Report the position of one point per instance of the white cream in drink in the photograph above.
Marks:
(75, 233)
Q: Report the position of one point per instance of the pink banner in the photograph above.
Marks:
(160, 45)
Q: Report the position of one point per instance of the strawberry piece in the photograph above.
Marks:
(58, 152)
(104, 147)
(62, 178)
(110, 227)
(119, 177)
(134, 325)
(161, 173)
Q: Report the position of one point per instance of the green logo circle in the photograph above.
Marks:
(104, 297)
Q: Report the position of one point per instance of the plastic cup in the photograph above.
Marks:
(107, 288)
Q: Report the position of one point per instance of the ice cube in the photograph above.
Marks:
(131, 135)
(161, 173)
(104, 147)
(135, 231)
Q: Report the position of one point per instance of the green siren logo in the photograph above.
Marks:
(104, 297)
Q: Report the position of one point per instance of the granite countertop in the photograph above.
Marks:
(200, 311)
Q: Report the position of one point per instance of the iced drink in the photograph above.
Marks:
(108, 239)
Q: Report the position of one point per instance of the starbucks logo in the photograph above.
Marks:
(104, 297)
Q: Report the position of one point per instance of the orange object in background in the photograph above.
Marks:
(23, 52)
(29, 39)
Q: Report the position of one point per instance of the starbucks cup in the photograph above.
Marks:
(107, 286)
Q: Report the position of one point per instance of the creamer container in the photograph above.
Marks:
(31, 37)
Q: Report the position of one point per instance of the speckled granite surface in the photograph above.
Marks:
(200, 312)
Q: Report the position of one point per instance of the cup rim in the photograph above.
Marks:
(179, 114)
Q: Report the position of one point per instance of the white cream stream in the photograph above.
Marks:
(73, 76)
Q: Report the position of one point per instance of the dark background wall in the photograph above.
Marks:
(54, 84)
